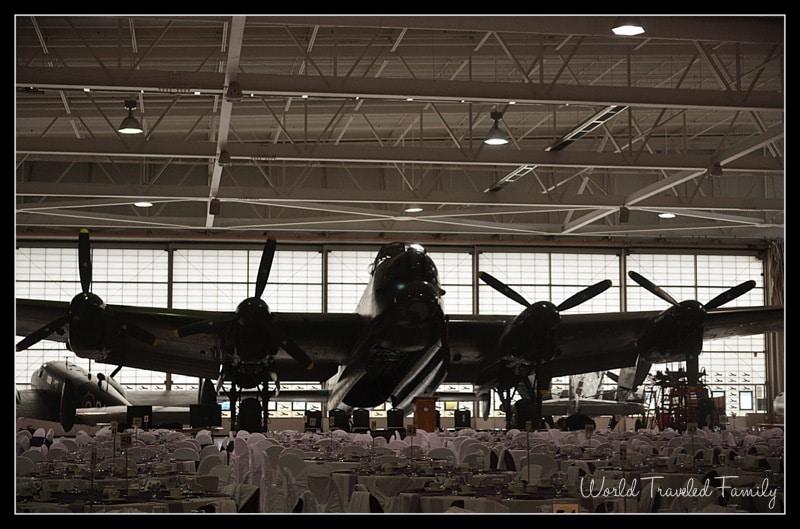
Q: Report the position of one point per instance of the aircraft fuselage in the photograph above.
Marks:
(399, 353)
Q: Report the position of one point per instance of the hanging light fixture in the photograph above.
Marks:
(130, 125)
(628, 26)
(496, 136)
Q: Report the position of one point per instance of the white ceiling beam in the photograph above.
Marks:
(712, 28)
(231, 74)
(380, 88)
(69, 219)
(369, 197)
(646, 192)
(377, 154)
(704, 215)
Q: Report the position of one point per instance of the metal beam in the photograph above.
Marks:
(713, 28)
(231, 74)
(684, 176)
(69, 219)
(430, 90)
(376, 154)
(370, 197)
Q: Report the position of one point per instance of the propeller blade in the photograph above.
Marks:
(652, 288)
(206, 326)
(730, 295)
(504, 289)
(137, 333)
(294, 350)
(614, 377)
(265, 266)
(584, 295)
(85, 260)
(42, 333)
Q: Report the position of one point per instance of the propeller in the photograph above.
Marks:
(727, 296)
(221, 325)
(265, 266)
(694, 310)
(77, 304)
(546, 313)
(504, 289)
(42, 333)
(85, 260)
(573, 301)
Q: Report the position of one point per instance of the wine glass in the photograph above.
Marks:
(558, 479)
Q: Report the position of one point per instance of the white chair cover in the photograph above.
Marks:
(34, 455)
(548, 464)
(186, 454)
(25, 466)
(531, 473)
(208, 462)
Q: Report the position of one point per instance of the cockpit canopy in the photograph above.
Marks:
(394, 249)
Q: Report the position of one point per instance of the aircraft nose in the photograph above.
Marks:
(418, 299)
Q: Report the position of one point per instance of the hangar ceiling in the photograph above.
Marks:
(345, 122)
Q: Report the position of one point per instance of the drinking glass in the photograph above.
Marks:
(558, 479)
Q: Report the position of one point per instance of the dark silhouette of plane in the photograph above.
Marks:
(397, 345)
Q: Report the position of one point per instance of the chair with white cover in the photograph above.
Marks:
(56, 454)
(174, 437)
(543, 448)
(443, 453)
(676, 441)
(413, 451)
(380, 441)
(473, 448)
(223, 472)
(387, 459)
(324, 444)
(531, 473)
(397, 445)
(475, 460)
(209, 450)
(272, 453)
(23, 444)
(434, 441)
(186, 454)
(70, 444)
(207, 482)
(208, 462)
(306, 503)
(548, 463)
(25, 466)
(296, 451)
(34, 455)
(255, 437)
(293, 476)
(240, 461)
(186, 443)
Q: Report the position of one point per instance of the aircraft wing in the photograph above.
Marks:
(327, 338)
(723, 323)
(591, 407)
(595, 342)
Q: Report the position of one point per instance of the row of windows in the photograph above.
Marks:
(220, 279)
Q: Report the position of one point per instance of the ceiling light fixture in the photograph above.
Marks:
(304, 96)
(409, 99)
(628, 27)
(130, 125)
(666, 215)
(512, 102)
(87, 90)
(197, 92)
(496, 136)
(143, 204)
(413, 209)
